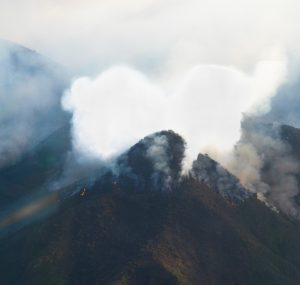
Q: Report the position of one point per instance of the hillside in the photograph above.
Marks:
(122, 231)
(31, 86)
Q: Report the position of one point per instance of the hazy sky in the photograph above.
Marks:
(210, 61)
(153, 35)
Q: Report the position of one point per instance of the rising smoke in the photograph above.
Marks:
(204, 103)
(154, 163)
(218, 179)
(266, 165)
(114, 110)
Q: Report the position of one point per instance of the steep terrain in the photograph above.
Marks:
(146, 224)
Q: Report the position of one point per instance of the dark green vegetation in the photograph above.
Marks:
(121, 233)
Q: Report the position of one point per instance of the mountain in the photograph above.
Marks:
(217, 178)
(291, 136)
(270, 162)
(145, 223)
(154, 163)
(31, 86)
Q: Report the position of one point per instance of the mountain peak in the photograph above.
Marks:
(218, 179)
(155, 162)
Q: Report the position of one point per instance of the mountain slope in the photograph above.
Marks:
(120, 236)
(31, 86)
(120, 232)
(291, 136)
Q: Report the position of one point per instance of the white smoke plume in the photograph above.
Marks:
(157, 152)
(114, 110)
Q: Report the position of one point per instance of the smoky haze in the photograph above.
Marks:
(266, 165)
(191, 66)
(30, 91)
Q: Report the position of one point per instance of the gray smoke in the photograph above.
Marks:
(79, 172)
(265, 164)
(30, 91)
(263, 159)
(154, 163)
(157, 152)
(218, 179)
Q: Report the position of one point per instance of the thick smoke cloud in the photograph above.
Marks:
(114, 110)
(121, 105)
(30, 91)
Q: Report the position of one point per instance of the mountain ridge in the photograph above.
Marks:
(118, 232)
